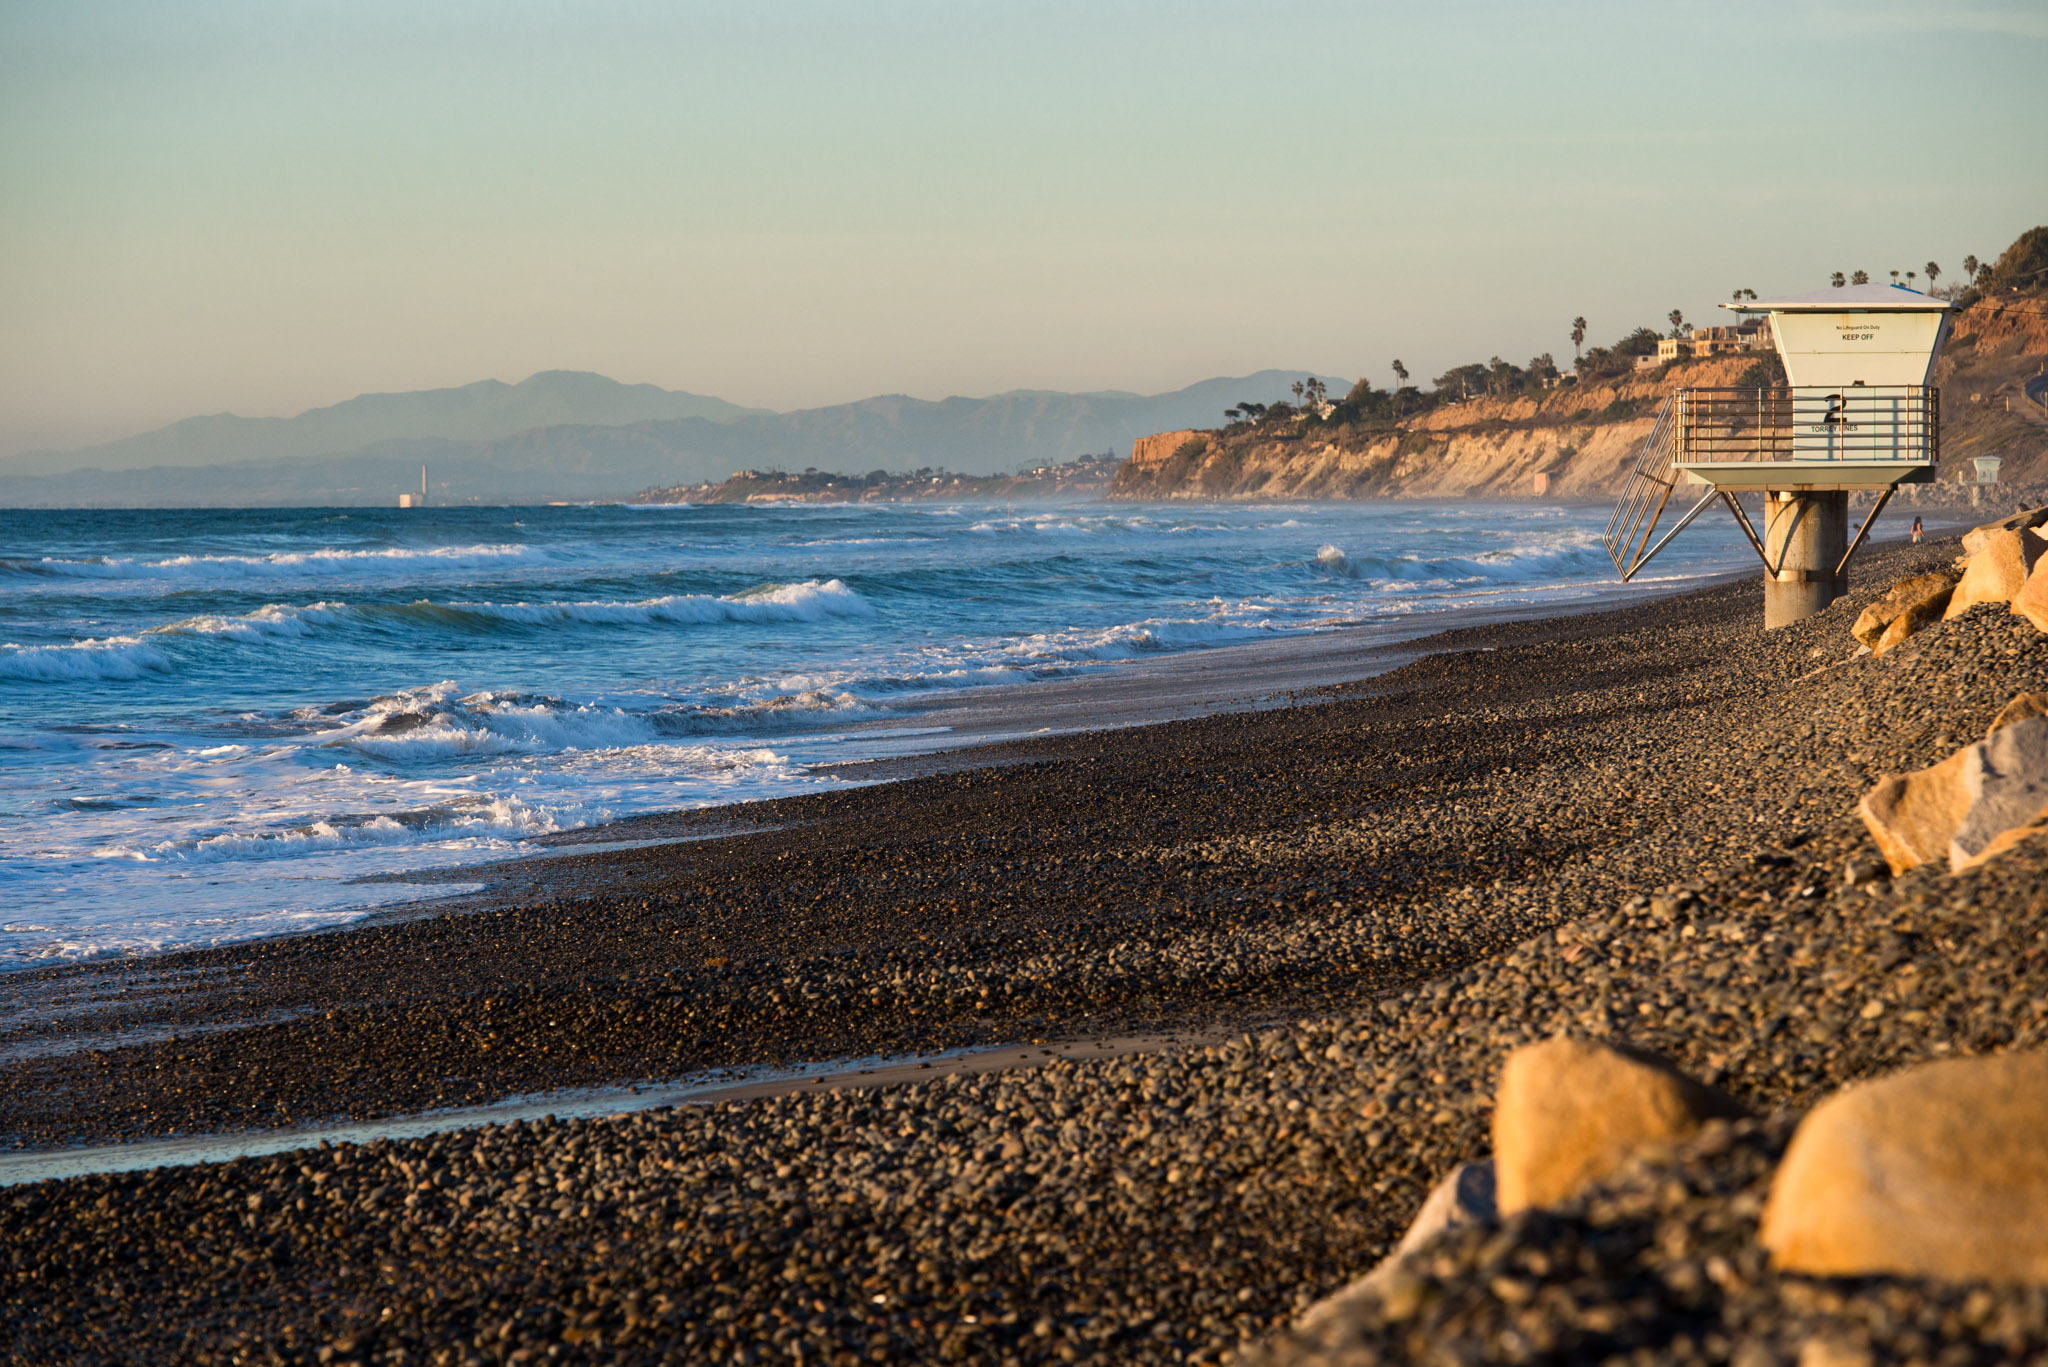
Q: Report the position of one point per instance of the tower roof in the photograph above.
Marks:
(1846, 299)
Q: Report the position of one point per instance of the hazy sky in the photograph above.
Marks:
(262, 207)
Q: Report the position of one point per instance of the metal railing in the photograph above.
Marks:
(1806, 423)
(1855, 422)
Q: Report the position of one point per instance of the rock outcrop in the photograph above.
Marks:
(1972, 806)
(1910, 605)
(1149, 453)
(1571, 1111)
(1997, 559)
(1939, 1171)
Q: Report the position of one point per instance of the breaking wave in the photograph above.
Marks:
(321, 562)
(110, 657)
(1574, 553)
(134, 657)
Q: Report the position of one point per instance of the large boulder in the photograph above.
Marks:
(1572, 1111)
(2006, 778)
(2031, 601)
(1908, 606)
(1997, 558)
(1973, 806)
(1912, 817)
(1940, 1171)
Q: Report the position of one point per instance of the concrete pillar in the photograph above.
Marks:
(1805, 535)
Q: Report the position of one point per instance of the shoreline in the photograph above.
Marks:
(967, 727)
(1630, 824)
(203, 1002)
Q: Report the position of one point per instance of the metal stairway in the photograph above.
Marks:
(1648, 491)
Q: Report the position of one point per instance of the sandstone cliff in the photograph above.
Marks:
(1581, 439)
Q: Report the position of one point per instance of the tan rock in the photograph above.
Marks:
(1571, 1111)
(1977, 538)
(2031, 601)
(1939, 1171)
(1913, 817)
(2005, 776)
(1973, 806)
(2018, 710)
(1908, 606)
(1998, 559)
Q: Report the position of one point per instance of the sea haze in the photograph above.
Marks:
(210, 720)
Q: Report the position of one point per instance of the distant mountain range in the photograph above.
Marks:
(572, 435)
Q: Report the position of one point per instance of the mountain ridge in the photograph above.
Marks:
(582, 461)
(484, 410)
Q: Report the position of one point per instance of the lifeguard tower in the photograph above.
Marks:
(1857, 414)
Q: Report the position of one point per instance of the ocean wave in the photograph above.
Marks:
(1543, 560)
(424, 726)
(133, 657)
(803, 702)
(271, 620)
(500, 817)
(106, 657)
(324, 560)
(811, 601)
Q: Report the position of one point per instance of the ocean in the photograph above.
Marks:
(211, 721)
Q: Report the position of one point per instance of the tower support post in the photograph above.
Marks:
(1806, 536)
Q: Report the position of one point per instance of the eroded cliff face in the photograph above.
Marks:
(1581, 439)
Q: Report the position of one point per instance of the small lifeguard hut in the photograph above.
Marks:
(1857, 413)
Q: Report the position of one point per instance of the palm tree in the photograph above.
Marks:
(1860, 278)
(1578, 338)
(1895, 277)
(1970, 268)
(1400, 375)
(1677, 323)
(1838, 280)
(1933, 274)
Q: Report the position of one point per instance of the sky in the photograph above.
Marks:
(264, 207)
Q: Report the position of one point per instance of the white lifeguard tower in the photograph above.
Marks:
(1858, 413)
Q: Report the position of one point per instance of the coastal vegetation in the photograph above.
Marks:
(1086, 476)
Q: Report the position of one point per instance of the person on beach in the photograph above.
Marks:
(1916, 530)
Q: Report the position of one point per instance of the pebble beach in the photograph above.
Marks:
(1636, 825)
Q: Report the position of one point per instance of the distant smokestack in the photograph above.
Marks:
(423, 485)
